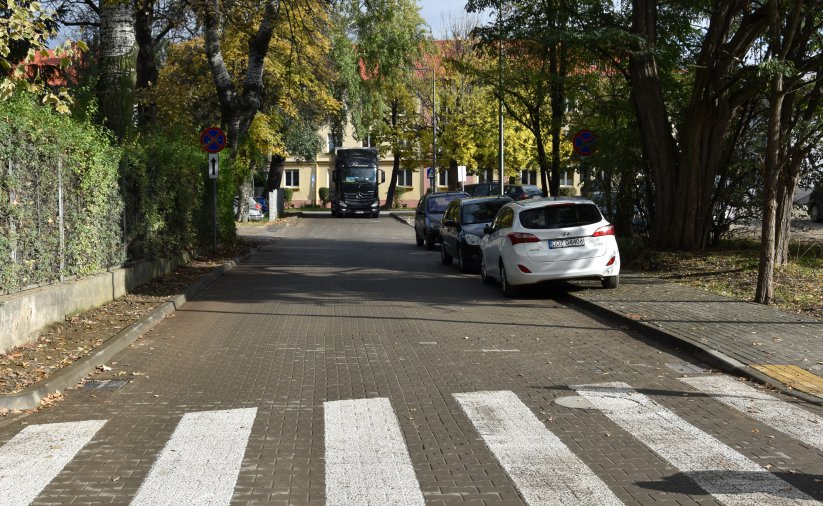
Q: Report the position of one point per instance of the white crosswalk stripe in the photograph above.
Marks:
(730, 477)
(780, 415)
(367, 462)
(201, 461)
(541, 466)
(32, 458)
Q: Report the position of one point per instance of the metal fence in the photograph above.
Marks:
(57, 220)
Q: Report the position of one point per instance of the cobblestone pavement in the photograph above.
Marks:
(342, 364)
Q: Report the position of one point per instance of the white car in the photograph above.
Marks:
(545, 239)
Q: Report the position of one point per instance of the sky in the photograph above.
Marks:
(435, 11)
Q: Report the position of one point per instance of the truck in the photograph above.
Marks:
(355, 182)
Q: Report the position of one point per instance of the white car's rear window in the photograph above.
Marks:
(560, 216)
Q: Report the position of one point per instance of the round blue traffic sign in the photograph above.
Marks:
(584, 142)
(213, 139)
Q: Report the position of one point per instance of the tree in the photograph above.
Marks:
(118, 53)
(794, 91)
(390, 38)
(25, 30)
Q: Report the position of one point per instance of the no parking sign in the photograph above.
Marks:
(584, 143)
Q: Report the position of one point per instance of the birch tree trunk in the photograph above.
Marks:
(115, 88)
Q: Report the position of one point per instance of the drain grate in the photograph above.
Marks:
(103, 384)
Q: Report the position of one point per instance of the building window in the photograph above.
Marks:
(566, 178)
(404, 178)
(486, 175)
(292, 178)
(443, 177)
(330, 143)
(528, 177)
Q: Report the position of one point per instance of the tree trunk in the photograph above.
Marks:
(396, 155)
(115, 88)
(146, 66)
(771, 169)
(659, 149)
(275, 177)
(557, 65)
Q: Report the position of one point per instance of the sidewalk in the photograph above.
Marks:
(771, 346)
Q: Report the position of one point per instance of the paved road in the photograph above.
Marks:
(344, 365)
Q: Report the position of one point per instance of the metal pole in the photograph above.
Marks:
(61, 218)
(434, 131)
(500, 89)
(214, 214)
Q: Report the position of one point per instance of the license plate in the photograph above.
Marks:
(566, 243)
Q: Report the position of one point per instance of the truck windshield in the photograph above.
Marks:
(365, 175)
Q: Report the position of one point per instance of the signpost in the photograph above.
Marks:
(213, 140)
(430, 173)
(584, 143)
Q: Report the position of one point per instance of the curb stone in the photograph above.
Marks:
(709, 356)
(69, 376)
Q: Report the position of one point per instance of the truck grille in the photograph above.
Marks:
(361, 199)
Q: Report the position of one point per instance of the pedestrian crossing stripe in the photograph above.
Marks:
(37, 454)
(780, 415)
(367, 460)
(729, 476)
(541, 466)
(200, 463)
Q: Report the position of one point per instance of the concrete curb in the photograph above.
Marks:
(67, 377)
(400, 219)
(712, 357)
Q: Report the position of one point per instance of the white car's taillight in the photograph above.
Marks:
(607, 230)
(520, 237)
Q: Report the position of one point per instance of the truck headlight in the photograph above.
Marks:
(472, 240)
(342, 204)
(376, 203)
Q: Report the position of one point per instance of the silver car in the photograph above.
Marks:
(549, 239)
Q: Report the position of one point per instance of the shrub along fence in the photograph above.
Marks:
(60, 208)
(71, 204)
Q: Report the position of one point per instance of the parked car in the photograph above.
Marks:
(482, 189)
(255, 209)
(816, 203)
(462, 228)
(515, 191)
(428, 214)
(545, 239)
(522, 191)
(264, 204)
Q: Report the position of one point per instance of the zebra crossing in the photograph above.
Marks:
(367, 460)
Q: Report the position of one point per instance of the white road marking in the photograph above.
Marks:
(719, 470)
(367, 462)
(37, 454)
(200, 463)
(541, 466)
(780, 415)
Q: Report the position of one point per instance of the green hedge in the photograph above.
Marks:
(38, 149)
(167, 195)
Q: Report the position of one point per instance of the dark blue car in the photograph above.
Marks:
(264, 204)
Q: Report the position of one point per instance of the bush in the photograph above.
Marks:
(168, 201)
(288, 194)
(398, 196)
(567, 191)
(39, 150)
(325, 198)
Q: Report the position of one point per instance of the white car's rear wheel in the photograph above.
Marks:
(610, 281)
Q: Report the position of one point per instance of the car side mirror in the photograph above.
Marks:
(448, 223)
(487, 230)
